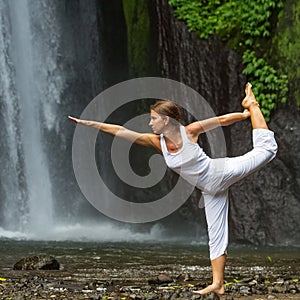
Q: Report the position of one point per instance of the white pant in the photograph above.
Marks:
(223, 173)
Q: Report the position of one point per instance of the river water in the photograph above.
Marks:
(134, 262)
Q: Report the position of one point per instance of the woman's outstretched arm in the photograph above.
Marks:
(198, 127)
(144, 139)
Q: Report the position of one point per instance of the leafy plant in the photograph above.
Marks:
(269, 86)
(246, 27)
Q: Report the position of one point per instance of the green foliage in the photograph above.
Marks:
(286, 47)
(249, 18)
(268, 85)
(245, 25)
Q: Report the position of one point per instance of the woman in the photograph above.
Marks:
(178, 144)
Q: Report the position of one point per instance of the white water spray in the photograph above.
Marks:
(39, 212)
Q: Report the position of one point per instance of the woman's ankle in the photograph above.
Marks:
(218, 284)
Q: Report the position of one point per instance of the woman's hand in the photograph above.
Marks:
(246, 113)
(77, 121)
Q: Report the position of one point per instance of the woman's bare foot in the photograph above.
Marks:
(213, 288)
(250, 98)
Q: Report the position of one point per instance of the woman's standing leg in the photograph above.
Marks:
(216, 211)
(218, 269)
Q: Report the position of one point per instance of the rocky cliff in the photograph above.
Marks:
(264, 208)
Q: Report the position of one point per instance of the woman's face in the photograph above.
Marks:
(157, 122)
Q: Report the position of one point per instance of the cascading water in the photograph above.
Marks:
(30, 199)
(45, 69)
(12, 181)
(39, 61)
(51, 66)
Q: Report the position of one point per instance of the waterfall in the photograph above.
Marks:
(55, 57)
(50, 67)
(47, 72)
(24, 97)
(12, 183)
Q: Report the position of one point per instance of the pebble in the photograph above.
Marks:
(38, 287)
(245, 290)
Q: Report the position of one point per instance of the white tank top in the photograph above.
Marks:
(190, 161)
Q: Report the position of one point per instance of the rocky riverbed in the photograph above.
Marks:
(41, 286)
(145, 271)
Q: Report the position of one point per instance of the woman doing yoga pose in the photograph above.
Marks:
(180, 149)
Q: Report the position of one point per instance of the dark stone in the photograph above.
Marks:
(247, 280)
(211, 296)
(245, 290)
(292, 287)
(184, 277)
(160, 279)
(151, 296)
(39, 262)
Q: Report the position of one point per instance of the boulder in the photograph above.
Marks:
(38, 262)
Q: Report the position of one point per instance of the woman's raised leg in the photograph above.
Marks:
(250, 103)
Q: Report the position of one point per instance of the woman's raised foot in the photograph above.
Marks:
(250, 99)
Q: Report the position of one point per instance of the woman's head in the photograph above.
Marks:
(168, 109)
(164, 112)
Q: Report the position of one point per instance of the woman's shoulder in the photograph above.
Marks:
(191, 132)
(155, 140)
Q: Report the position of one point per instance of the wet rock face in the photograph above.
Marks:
(39, 262)
(264, 207)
